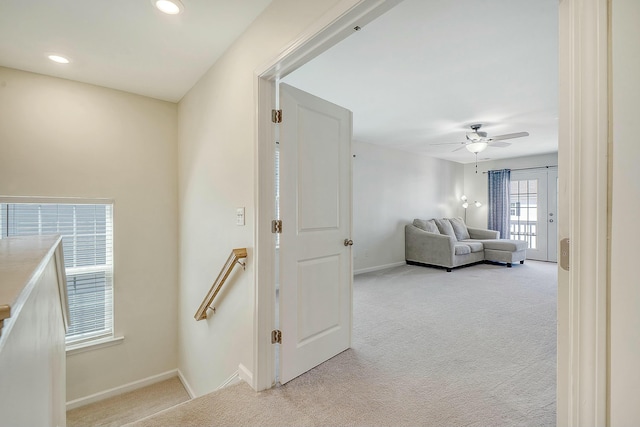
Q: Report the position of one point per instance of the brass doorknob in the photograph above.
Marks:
(348, 242)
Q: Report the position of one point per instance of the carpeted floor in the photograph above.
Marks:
(475, 347)
(129, 407)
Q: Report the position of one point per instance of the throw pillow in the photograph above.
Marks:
(432, 227)
(426, 225)
(460, 228)
(445, 227)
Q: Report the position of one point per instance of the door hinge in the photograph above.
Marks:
(276, 337)
(276, 226)
(565, 252)
(276, 116)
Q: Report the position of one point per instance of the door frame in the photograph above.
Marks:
(583, 212)
(337, 24)
(583, 193)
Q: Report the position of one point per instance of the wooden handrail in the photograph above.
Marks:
(234, 258)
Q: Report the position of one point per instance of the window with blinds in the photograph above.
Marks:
(87, 241)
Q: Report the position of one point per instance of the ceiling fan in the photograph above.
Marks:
(478, 141)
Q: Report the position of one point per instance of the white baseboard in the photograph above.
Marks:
(245, 374)
(233, 379)
(96, 397)
(186, 385)
(379, 267)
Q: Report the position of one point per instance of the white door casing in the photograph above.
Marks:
(315, 208)
(583, 203)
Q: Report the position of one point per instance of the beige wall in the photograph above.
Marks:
(625, 285)
(217, 135)
(390, 189)
(476, 184)
(64, 139)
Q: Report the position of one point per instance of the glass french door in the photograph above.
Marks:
(533, 212)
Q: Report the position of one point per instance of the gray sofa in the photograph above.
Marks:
(449, 243)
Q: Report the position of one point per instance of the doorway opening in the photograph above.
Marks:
(583, 28)
(536, 241)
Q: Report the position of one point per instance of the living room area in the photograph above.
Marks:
(411, 161)
(414, 119)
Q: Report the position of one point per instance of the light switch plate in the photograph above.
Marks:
(240, 216)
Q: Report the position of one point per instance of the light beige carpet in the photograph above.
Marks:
(475, 347)
(130, 406)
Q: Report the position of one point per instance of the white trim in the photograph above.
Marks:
(96, 397)
(244, 374)
(264, 253)
(233, 379)
(378, 268)
(583, 196)
(57, 200)
(186, 385)
(93, 344)
(332, 27)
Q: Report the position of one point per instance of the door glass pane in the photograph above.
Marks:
(524, 211)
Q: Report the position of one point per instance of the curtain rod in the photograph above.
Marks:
(525, 169)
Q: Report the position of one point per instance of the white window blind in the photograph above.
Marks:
(87, 241)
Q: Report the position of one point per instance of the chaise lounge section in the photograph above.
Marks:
(449, 243)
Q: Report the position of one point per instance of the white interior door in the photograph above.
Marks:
(534, 202)
(315, 209)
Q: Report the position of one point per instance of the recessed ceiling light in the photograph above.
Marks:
(170, 7)
(59, 59)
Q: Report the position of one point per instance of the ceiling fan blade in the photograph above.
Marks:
(458, 149)
(499, 144)
(509, 136)
(448, 143)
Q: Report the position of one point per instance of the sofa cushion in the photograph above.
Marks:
(462, 249)
(474, 245)
(445, 227)
(426, 225)
(460, 228)
(505, 245)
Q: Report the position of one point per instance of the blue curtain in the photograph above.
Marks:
(499, 201)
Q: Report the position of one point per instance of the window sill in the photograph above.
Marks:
(93, 345)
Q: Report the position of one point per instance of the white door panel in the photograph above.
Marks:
(534, 212)
(318, 297)
(315, 209)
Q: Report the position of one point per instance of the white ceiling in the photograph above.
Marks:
(122, 44)
(418, 75)
(424, 71)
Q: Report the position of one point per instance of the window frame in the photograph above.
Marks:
(85, 339)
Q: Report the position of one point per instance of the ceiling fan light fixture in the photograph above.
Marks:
(170, 7)
(477, 147)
